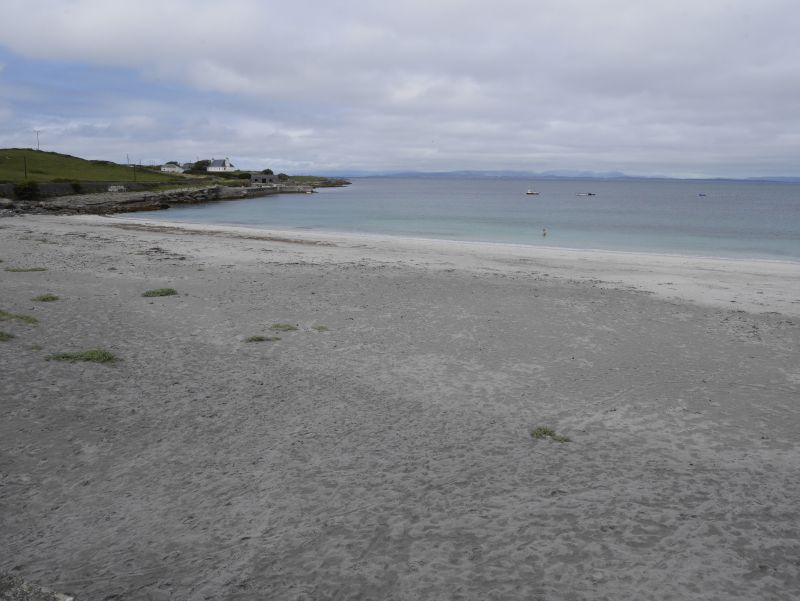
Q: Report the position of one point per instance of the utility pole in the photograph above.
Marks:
(37, 138)
(25, 163)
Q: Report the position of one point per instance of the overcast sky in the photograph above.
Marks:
(679, 88)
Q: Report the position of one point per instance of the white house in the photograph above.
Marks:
(171, 168)
(221, 165)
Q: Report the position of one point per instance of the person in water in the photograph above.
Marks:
(544, 232)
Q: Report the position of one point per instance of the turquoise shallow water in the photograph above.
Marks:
(706, 218)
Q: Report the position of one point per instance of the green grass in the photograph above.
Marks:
(283, 327)
(305, 179)
(160, 292)
(95, 355)
(321, 328)
(6, 336)
(25, 269)
(315, 180)
(5, 316)
(262, 339)
(45, 298)
(48, 166)
(183, 185)
(546, 432)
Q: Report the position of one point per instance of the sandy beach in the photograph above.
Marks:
(382, 449)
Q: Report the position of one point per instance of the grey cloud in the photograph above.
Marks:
(684, 87)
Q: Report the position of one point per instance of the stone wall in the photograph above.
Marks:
(50, 189)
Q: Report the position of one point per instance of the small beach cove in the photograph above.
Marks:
(725, 219)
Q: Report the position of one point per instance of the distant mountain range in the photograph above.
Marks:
(544, 175)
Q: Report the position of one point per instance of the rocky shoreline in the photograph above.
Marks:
(106, 203)
(13, 588)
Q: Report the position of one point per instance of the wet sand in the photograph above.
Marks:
(382, 450)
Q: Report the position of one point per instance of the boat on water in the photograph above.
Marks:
(587, 194)
(532, 192)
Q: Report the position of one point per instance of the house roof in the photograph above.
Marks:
(219, 163)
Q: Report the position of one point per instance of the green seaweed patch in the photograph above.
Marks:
(5, 316)
(283, 327)
(95, 356)
(262, 339)
(160, 292)
(25, 269)
(321, 328)
(546, 432)
(6, 336)
(45, 298)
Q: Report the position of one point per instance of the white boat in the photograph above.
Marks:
(532, 192)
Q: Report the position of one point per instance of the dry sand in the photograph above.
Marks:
(390, 456)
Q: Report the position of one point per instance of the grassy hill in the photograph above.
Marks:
(49, 166)
(318, 181)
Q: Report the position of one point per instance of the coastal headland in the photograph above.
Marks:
(288, 415)
(40, 182)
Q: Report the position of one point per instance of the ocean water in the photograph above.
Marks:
(696, 217)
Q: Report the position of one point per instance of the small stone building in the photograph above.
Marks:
(262, 178)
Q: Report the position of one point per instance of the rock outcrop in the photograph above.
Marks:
(13, 588)
(122, 202)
